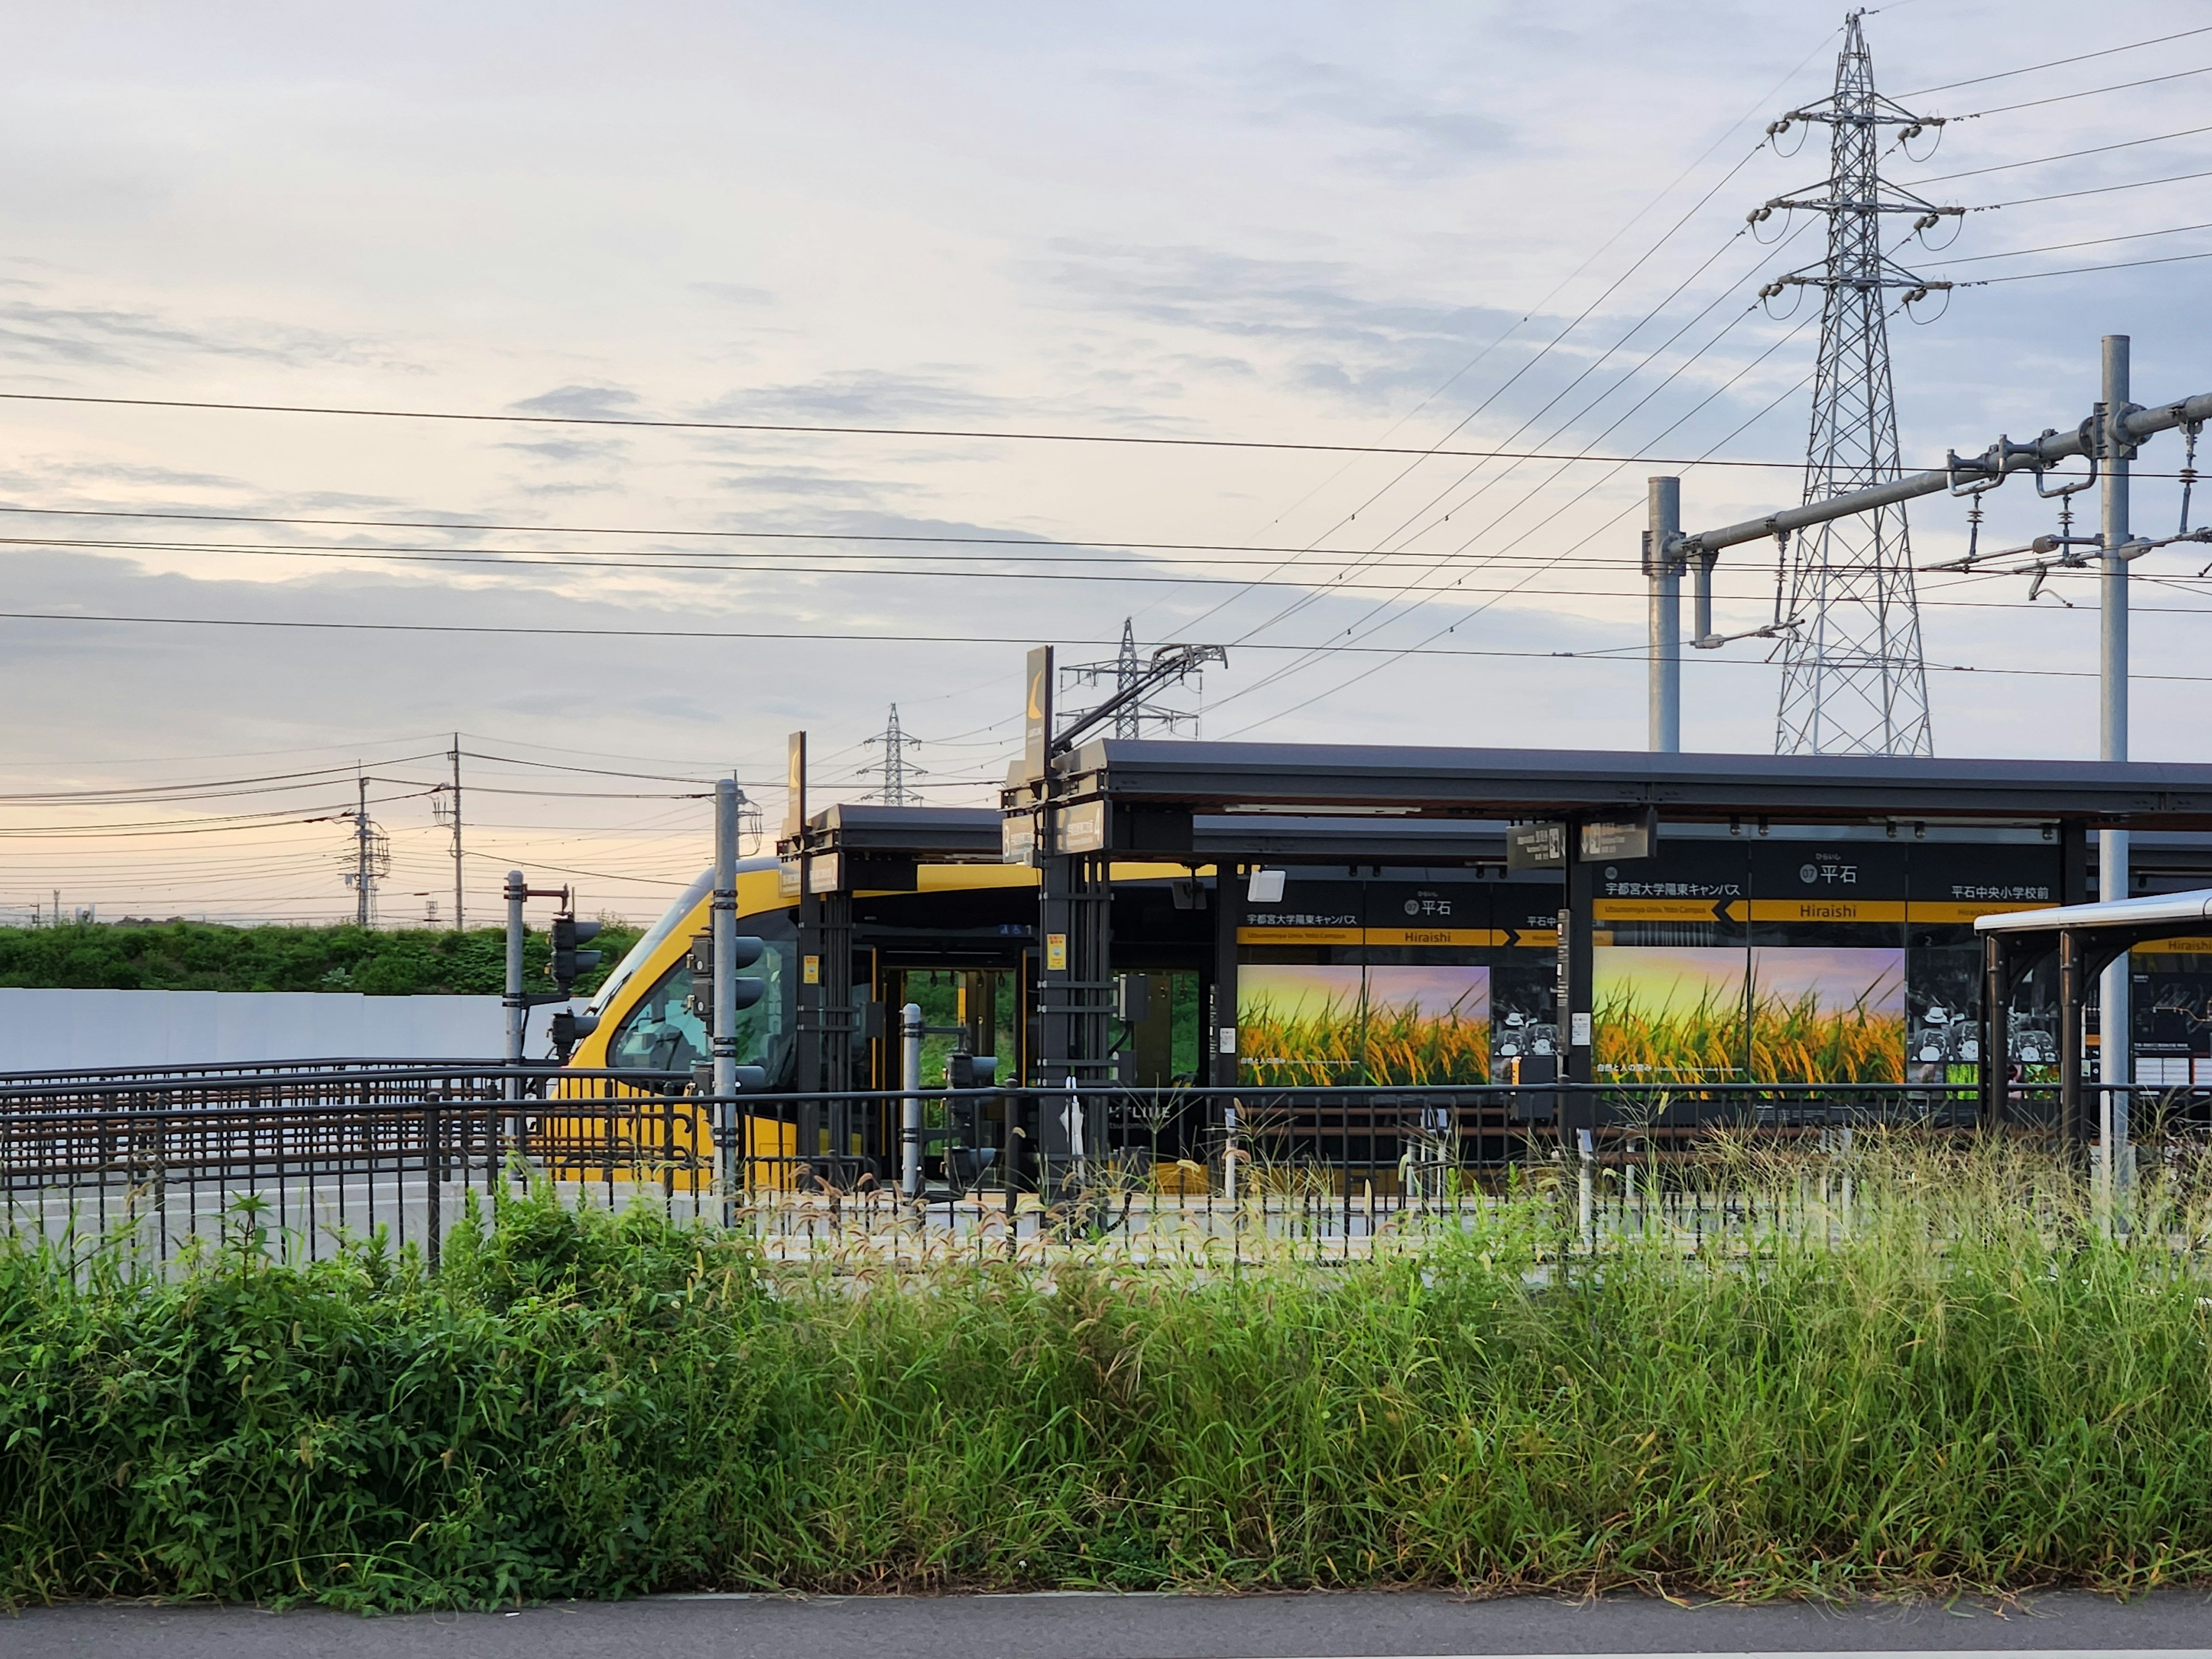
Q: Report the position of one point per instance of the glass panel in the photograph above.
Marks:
(662, 1034)
(1427, 1024)
(1299, 1023)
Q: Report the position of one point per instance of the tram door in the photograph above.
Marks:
(970, 1011)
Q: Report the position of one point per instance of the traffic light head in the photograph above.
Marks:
(568, 962)
(746, 950)
(971, 1070)
(569, 1029)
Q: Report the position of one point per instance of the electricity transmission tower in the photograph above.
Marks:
(1853, 678)
(896, 768)
(1134, 713)
(371, 859)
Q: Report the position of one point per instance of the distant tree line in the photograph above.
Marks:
(194, 956)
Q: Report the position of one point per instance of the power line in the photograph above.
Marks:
(1561, 286)
(1384, 549)
(964, 639)
(2057, 62)
(2045, 161)
(1424, 646)
(2068, 97)
(592, 771)
(1369, 623)
(2093, 190)
(985, 435)
(2061, 247)
(2077, 271)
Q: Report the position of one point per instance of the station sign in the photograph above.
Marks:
(1536, 846)
(1621, 838)
(1083, 827)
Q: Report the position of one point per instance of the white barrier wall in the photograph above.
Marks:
(43, 1030)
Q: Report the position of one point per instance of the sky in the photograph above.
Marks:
(1396, 226)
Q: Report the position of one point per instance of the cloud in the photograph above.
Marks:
(734, 293)
(1430, 129)
(588, 403)
(866, 397)
(107, 338)
(566, 450)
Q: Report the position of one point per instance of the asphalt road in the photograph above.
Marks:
(1346, 1626)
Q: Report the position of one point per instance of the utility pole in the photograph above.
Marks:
(2116, 1029)
(1854, 681)
(371, 859)
(361, 856)
(460, 925)
(895, 791)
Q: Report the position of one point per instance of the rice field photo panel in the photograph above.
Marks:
(1324, 1023)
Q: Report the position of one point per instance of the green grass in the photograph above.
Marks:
(1970, 1388)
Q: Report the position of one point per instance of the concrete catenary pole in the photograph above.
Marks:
(517, 888)
(910, 1033)
(2115, 1044)
(1664, 570)
(723, 943)
(722, 946)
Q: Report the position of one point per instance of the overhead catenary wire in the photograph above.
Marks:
(526, 630)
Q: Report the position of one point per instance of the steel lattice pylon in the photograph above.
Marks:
(1853, 679)
(897, 768)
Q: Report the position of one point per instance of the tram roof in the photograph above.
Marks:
(1360, 779)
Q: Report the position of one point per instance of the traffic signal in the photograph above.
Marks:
(971, 1070)
(567, 961)
(746, 950)
(569, 1029)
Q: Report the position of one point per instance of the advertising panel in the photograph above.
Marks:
(1773, 1013)
(1339, 1023)
(1827, 1013)
(1665, 1014)
(1427, 1024)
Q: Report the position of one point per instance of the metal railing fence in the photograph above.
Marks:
(163, 1164)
